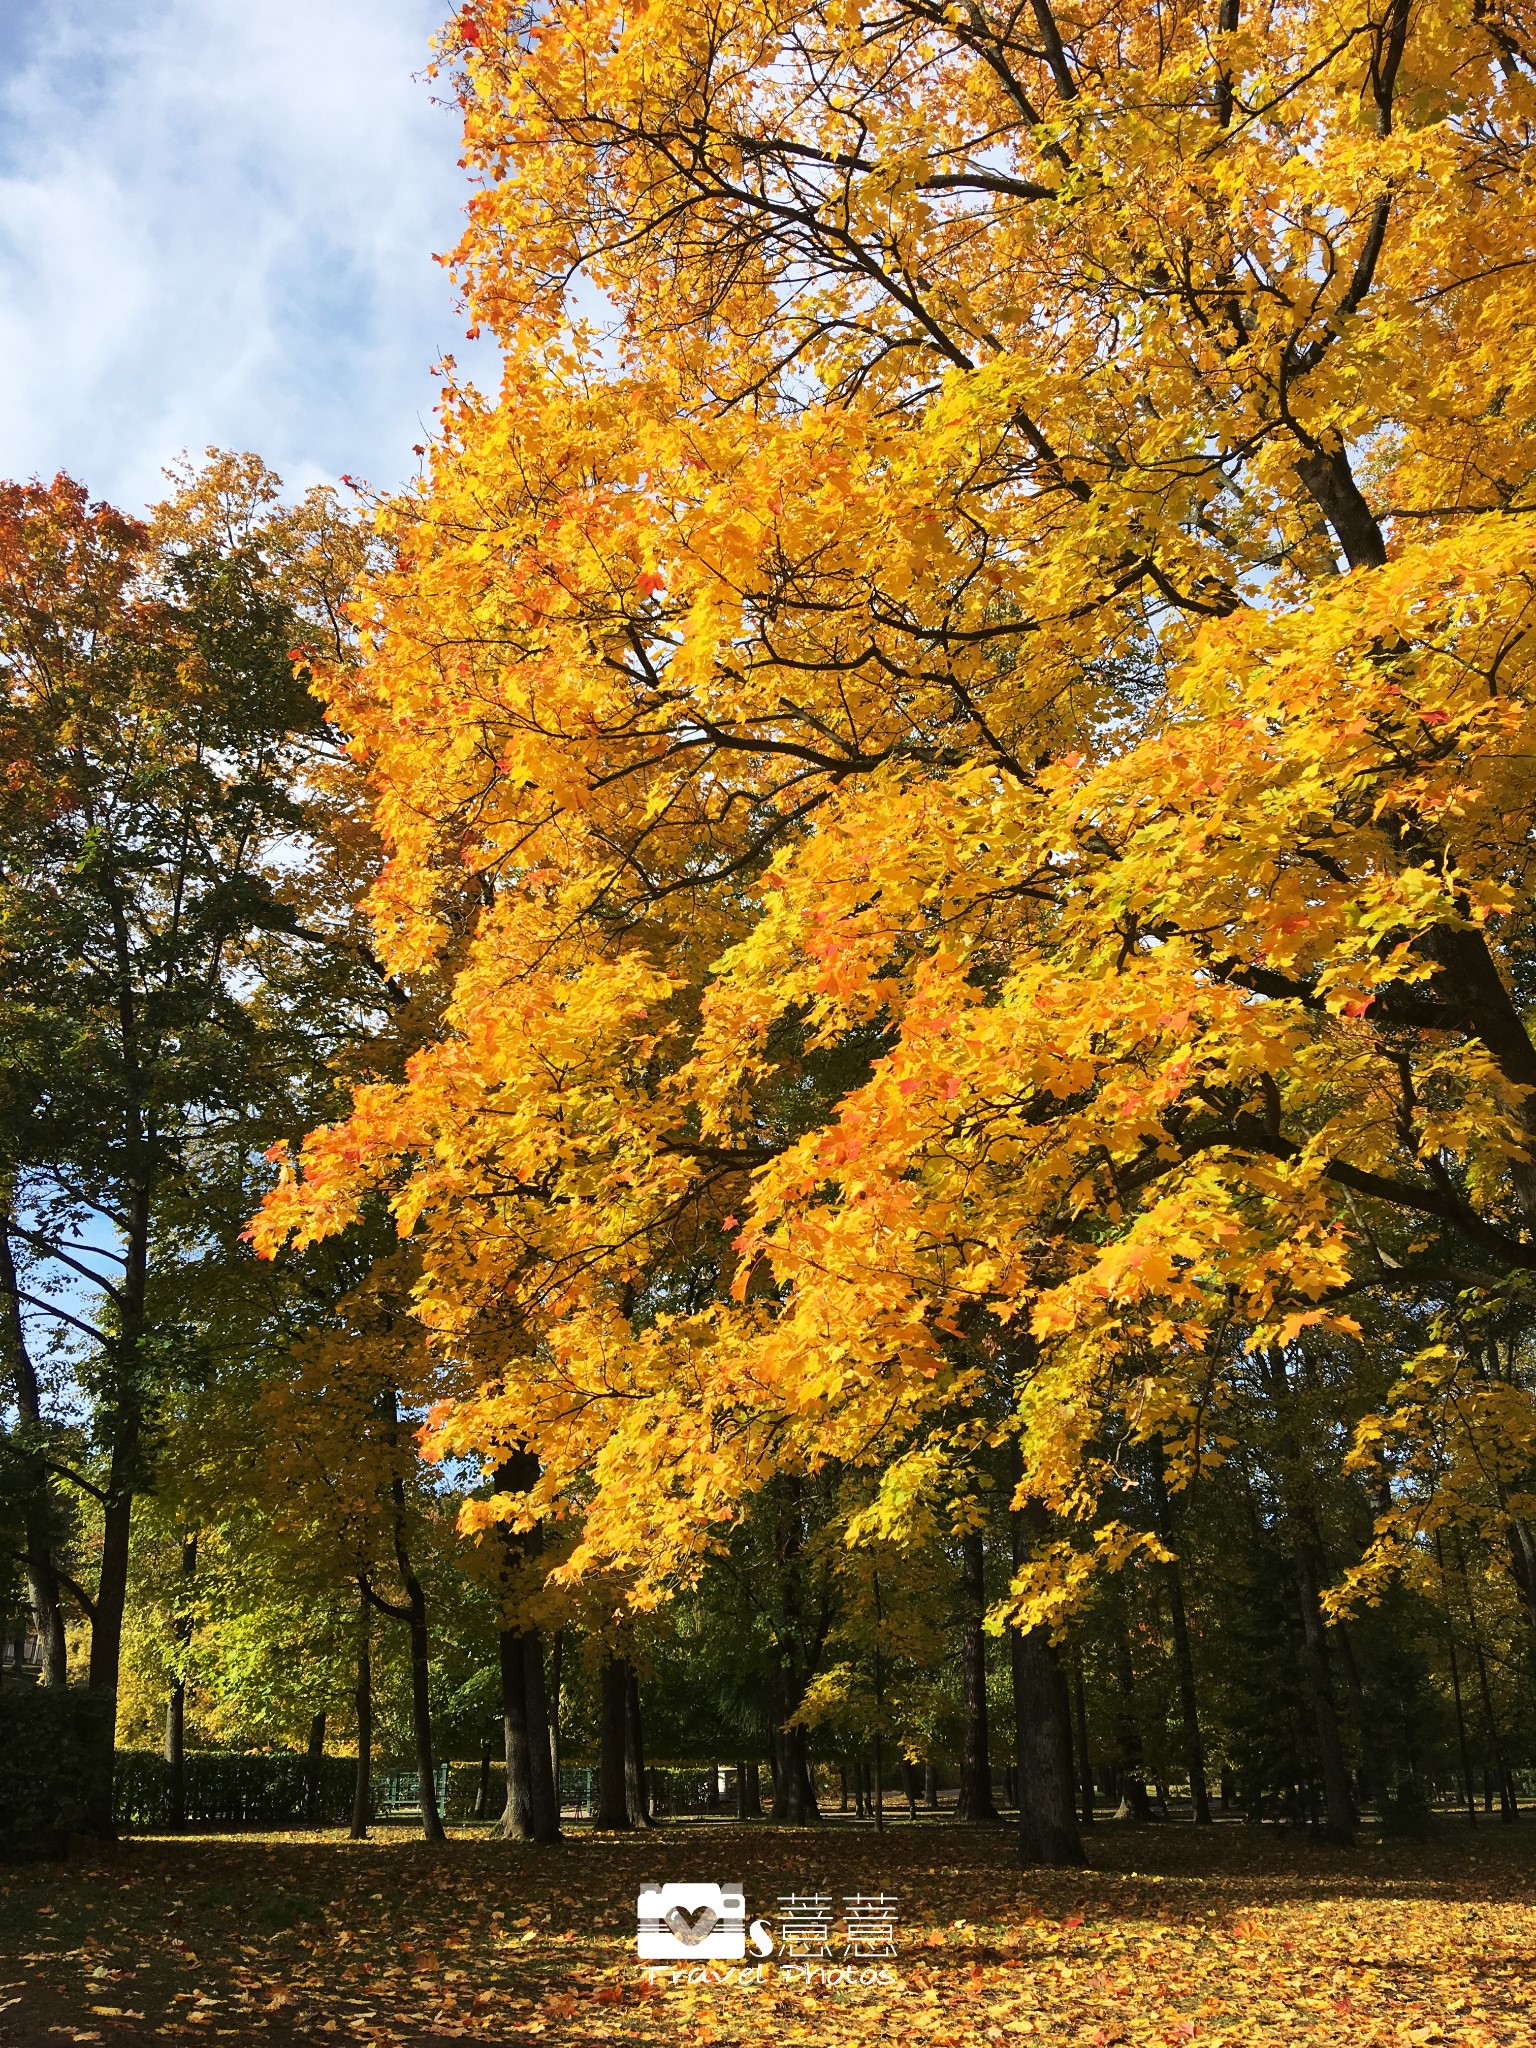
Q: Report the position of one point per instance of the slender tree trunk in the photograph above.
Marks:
(314, 1764)
(634, 1758)
(176, 1706)
(362, 1697)
(752, 1797)
(1134, 1803)
(613, 1746)
(421, 1718)
(37, 1504)
(931, 1785)
(1084, 1762)
(1338, 1818)
(1508, 1810)
(909, 1784)
(123, 1410)
(1461, 1725)
(1189, 1706)
(556, 1661)
(483, 1787)
(974, 1802)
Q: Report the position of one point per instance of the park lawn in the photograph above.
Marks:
(1234, 1936)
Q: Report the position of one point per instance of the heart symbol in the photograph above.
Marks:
(691, 1932)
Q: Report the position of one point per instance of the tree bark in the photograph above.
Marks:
(1189, 1705)
(1042, 1717)
(556, 1660)
(362, 1700)
(516, 1823)
(799, 1805)
(974, 1801)
(314, 1763)
(176, 1705)
(613, 1746)
(543, 1801)
(38, 1505)
(1084, 1762)
(1338, 1812)
(635, 1795)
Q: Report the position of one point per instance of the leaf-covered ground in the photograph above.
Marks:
(1235, 1936)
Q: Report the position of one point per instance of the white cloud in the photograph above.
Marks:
(217, 224)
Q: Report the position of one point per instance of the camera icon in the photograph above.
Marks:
(689, 1922)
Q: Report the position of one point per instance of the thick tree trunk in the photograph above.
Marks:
(1338, 1812)
(516, 1823)
(362, 1700)
(974, 1802)
(543, 1799)
(1047, 1816)
(613, 1746)
(800, 1807)
(314, 1764)
(1042, 1719)
(635, 1794)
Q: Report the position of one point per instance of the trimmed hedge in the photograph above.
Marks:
(225, 1790)
(55, 1754)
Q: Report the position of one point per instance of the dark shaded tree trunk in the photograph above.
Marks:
(556, 1661)
(1189, 1704)
(122, 1410)
(1042, 1718)
(314, 1763)
(1129, 1771)
(421, 1716)
(483, 1787)
(749, 1792)
(612, 1811)
(1508, 1810)
(931, 1785)
(413, 1612)
(38, 1509)
(910, 1782)
(531, 1812)
(800, 1807)
(516, 1823)
(974, 1801)
(1338, 1812)
(1084, 1761)
(362, 1699)
(543, 1797)
(635, 1794)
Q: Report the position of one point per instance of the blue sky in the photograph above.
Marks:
(217, 225)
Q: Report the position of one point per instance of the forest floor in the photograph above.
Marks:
(1230, 1936)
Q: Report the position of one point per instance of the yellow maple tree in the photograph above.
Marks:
(959, 732)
